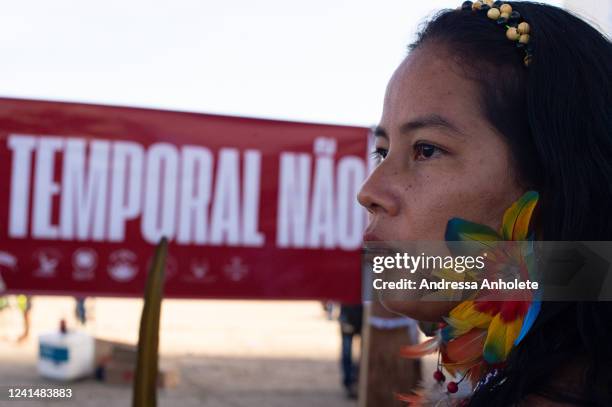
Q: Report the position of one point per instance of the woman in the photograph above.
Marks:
(478, 114)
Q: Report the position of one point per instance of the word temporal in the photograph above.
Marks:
(88, 189)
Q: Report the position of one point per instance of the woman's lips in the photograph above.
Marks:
(371, 236)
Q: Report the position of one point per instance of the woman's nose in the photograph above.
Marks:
(376, 195)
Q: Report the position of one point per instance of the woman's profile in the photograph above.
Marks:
(492, 101)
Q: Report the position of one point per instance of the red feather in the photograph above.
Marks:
(466, 347)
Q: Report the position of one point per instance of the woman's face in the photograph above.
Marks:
(438, 158)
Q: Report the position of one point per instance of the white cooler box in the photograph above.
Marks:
(65, 355)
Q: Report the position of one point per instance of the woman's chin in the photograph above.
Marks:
(432, 311)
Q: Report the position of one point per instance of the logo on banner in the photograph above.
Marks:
(199, 269)
(199, 272)
(236, 270)
(122, 265)
(47, 261)
(84, 262)
(8, 261)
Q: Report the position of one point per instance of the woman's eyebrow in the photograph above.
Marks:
(421, 122)
(430, 120)
(378, 131)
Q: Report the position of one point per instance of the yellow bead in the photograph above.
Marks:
(488, 2)
(506, 8)
(523, 28)
(512, 34)
(476, 5)
(505, 15)
(493, 13)
(524, 38)
(527, 60)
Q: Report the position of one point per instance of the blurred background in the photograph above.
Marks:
(317, 61)
(321, 61)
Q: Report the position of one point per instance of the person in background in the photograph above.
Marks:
(330, 308)
(351, 316)
(24, 302)
(4, 304)
(79, 310)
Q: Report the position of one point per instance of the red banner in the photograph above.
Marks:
(252, 208)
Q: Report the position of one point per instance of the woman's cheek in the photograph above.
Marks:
(425, 214)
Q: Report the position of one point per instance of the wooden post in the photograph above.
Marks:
(383, 373)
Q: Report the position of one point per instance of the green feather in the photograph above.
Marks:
(458, 229)
(468, 238)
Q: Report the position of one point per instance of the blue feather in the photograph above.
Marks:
(532, 314)
(536, 304)
(447, 333)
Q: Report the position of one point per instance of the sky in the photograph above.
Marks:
(325, 61)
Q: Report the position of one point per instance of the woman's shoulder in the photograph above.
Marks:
(534, 400)
(565, 387)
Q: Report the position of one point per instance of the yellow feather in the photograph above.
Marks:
(512, 332)
(521, 226)
(467, 313)
(500, 338)
(515, 224)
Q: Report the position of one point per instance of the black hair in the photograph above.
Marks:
(556, 116)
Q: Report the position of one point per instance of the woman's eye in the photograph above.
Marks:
(379, 154)
(425, 151)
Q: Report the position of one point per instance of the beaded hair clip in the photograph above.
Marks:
(502, 13)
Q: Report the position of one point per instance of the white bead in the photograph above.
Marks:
(493, 13)
(512, 34)
(523, 28)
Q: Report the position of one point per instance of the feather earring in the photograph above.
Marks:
(479, 334)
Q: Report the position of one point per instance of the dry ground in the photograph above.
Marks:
(230, 353)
